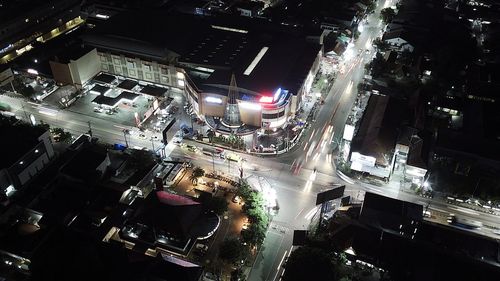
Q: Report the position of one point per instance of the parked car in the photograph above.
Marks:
(98, 109)
(201, 247)
(236, 199)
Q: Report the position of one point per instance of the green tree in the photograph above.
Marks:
(315, 260)
(231, 250)
(60, 135)
(245, 190)
(210, 135)
(387, 15)
(255, 233)
(197, 173)
(218, 205)
(370, 7)
(237, 275)
(378, 65)
(380, 44)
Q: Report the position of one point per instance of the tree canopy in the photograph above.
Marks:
(308, 263)
(231, 250)
(387, 15)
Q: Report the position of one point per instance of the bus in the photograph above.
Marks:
(215, 151)
(464, 223)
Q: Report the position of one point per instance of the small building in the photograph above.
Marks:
(373, 146)
(75, 66)
(26, 150)
(400, 40)
(249, 8)
(166, 222)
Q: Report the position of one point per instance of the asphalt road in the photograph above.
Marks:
(296, 188)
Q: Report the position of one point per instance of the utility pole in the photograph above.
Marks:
(477, 184)
(125, 137)
(153, 144)
(213, 159)
(25, 113)
(90, 129)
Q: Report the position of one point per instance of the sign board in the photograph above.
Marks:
(345, 201)
(299, 237)
(6, 77)
(363, 159)
(164, 132)
(331, 194)
(348, 132)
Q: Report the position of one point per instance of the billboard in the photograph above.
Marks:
(331, 194)
(299, 237)
(164, 132)
(348, 132)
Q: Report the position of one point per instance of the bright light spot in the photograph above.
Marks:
(102, 16)
(312, 177)
(20, 163)
(426, 184)
(266, 99)
(213, 100)
(361, 27)
(180, 75)
(36, 150)
(250, 105)
(32, 71)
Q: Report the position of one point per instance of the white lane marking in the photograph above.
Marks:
(311, 213)
(467, 211)
(282, 259)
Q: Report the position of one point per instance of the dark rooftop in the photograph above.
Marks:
(224, 45)
(127, 84)
(105, 78)
(113, 101)
(99, 89)
(85, 162)
(153, 91)
(73, 52)
(378, 129)
(17, 140)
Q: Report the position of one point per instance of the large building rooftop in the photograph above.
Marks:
(263, 56)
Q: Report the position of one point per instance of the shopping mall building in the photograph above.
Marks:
(240, 74)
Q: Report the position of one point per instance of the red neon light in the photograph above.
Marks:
(265, 99)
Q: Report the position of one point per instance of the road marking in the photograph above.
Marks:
(464, 210)
(299, 213)
(311, 213)
(282, 259)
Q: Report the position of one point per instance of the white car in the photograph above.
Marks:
(98, 109)
(201, 247)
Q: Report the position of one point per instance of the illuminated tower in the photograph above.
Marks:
(232, 113)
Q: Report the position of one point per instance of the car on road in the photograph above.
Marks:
(209, 276)
(98, 109)
(201, 247)
(236, 199)
(192, 148)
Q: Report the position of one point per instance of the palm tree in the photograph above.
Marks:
(197, 173)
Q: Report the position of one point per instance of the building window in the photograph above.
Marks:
(146, 67)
